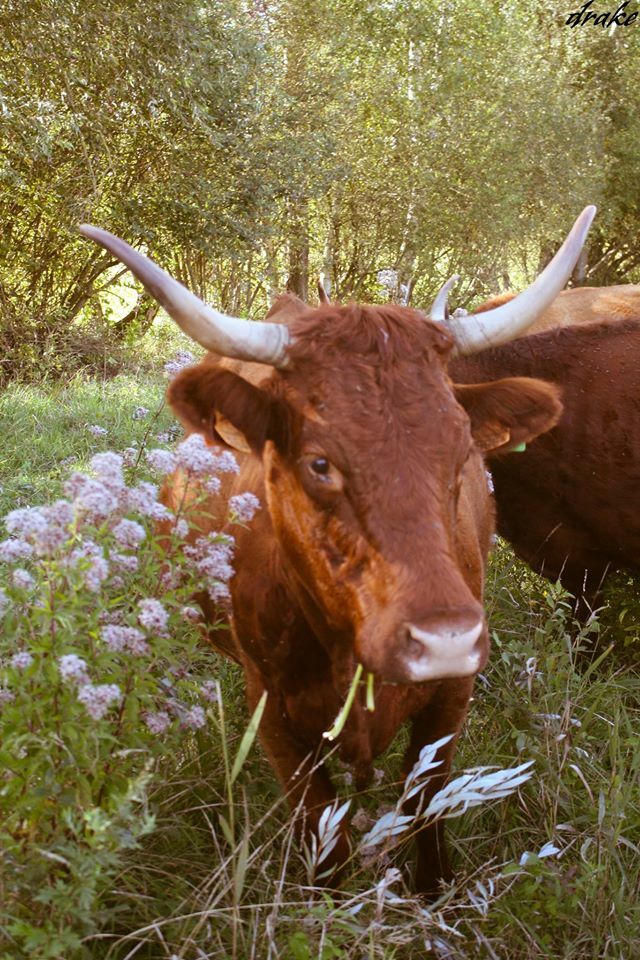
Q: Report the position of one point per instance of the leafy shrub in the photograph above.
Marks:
(98, 679)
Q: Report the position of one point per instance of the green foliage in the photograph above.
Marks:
(251, 148)
(99, 680)
(46, 429)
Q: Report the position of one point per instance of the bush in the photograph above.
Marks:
(98, 680)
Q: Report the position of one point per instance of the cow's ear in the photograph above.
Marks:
(200, 394)
(507, 413)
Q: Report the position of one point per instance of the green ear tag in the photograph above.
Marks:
(520, 448)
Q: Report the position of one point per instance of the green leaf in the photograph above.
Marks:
(226, 829)
(240, 872)
(248, 738)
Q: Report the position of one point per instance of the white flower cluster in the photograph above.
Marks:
(143, 498)
(211, 557)
(124, 561)
(163, 461)
(194, 455)
(194, 718)
(73, 667)
(157, 722)
(180, 361)
(153, 616)
(129, 534)
(98, 698)
(21, 660)
(244, 506)
(90, 561)
(124, 639)
(65, 533)
(22, 579)
(14, 549)
(210, 691)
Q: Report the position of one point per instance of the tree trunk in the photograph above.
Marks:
(143, 314)
(298, 281)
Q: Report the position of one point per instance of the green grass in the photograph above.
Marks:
(578, 725)
(45, 430)
(187, 892)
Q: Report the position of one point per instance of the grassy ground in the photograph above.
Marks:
(46, 430)
(190, 893)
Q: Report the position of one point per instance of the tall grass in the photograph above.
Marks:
(551, 872)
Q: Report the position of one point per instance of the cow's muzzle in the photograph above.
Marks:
(444, 645)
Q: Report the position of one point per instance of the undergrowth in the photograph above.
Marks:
(551, 872)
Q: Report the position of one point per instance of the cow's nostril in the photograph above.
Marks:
(414, 646)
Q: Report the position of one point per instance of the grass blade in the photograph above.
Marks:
(248, 737)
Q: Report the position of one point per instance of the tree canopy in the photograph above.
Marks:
(252, 145)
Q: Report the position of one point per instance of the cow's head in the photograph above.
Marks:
(372, 460)
(366, 446)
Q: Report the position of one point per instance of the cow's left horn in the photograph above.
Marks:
(476, 332)
(228, 336)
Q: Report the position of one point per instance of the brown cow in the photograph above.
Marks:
(372, 544)
(581, 305)
(568, 504)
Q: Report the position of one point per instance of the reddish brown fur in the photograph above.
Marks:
(569, 503)
(332, 571)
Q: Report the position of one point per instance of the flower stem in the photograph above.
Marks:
(341, 719)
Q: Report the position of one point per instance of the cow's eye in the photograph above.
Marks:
(321, 466)
(322, 476)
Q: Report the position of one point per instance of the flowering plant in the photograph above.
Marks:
(101, 672)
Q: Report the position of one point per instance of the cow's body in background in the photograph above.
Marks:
(569, 503)
(581, 305)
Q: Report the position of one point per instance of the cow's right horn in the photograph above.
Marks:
(228, 336)
(476, 332)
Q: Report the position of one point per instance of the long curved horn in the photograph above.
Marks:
(439, 311)
(323, 296)
(228, 336)
(478, 331)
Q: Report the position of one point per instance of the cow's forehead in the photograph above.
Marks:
(360, 410)
(367, 349)
(378, 335)
(367, 355)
